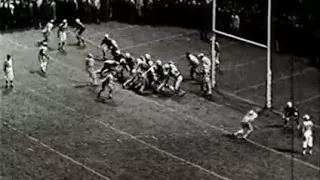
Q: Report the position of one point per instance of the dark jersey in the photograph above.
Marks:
(80, 27)
(107, 42)
(130, 62)
(118, 57)
(291, 112)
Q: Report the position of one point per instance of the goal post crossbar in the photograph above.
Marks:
(267, 47)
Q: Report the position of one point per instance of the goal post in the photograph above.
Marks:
(268, 102)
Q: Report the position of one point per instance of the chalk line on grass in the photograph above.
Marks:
(276, 80)
(217, 128)
(57, 152)
(308, 99)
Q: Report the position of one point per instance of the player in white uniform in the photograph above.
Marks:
(307, 130)
(246, 123)
(206, 85)
(193, 64)
(108, 83)
(8, 71)
(90, 62)
(43, 57)
(47, 31)
(62, 34)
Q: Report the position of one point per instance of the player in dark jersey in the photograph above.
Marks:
(80, 28)
(105, 45)
(290, 112)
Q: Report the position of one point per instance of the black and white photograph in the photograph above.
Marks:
(160, 90)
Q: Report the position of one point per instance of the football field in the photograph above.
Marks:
(54, 128)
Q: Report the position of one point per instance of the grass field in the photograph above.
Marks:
(53, 128)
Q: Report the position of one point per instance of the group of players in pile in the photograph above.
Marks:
(145, 73)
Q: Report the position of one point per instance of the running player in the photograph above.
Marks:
(62, 34)
(90, 62)
(290, 112)
(307, 130)
(193, 64)
(80, 28)
(107, 83)
(206, 85)
(105, 45)
(43, 57)
(8, 71)
(46, 32)
(246, 123)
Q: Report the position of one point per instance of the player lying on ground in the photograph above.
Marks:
(8, 71)
(246, 123)
(290, 113)
(307, 131)
(80, 28)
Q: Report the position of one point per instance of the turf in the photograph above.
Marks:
(137, 137)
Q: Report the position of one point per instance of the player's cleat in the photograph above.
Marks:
(110, 96)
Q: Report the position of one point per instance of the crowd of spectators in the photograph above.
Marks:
(293, 20)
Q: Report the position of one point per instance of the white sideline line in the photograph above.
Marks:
(129, 135)
(113, 30)
(276, 80)
(57, 152)
(215, 127)
(309, 99)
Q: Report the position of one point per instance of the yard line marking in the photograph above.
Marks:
(129, 135)
(276, 80)
(57, 152)
(186, 115)
(115, 30)
(215, 127)
(309, 99)
(145, 43)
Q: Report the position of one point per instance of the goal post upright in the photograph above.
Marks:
(213, 41)
(269, 70)
(268, 102)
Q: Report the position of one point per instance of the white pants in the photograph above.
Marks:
(8, 74)
(307, 140)
(63, 36)
(43, 63)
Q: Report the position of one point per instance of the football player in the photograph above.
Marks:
(307, 130)
(107, 83)
(8, 71)
(130, 61)
(193, 64)
(217, 56)
(290, 112)
(108, 66)
(43, 57)
(80, 28)
(90, 62)
(105, 45)
(206, 85)
(246, 123)
(62, 34)
(46, 31)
